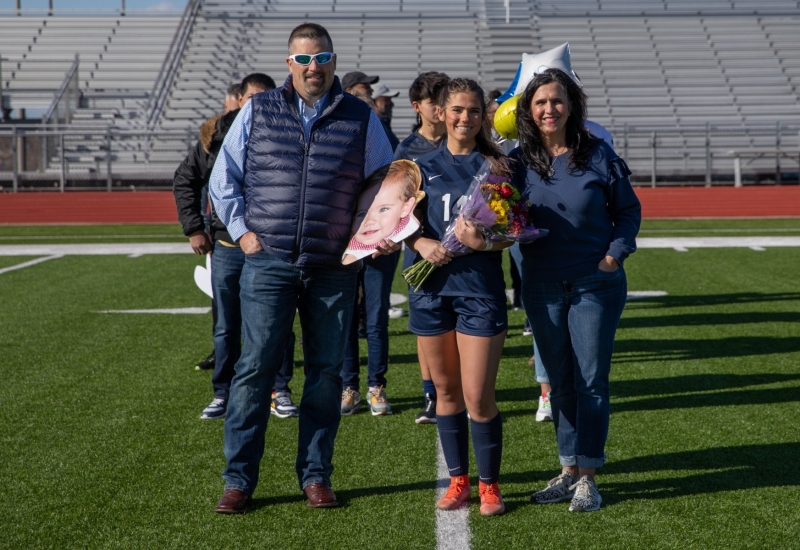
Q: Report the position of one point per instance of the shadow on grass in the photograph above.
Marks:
(692, 383)
(729, 469)
(718, 399)
(641, 350)
(736, 468)
(701, 319)
(713, 299)
(344, 496)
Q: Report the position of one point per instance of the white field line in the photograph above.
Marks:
(682, 244)
(139, 249)
(29, 263)
(452, 526)
(121, 249)
(173, 311)
(641, 294)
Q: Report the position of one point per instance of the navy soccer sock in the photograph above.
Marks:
(487, 441)
(454, 435)
(429, 388)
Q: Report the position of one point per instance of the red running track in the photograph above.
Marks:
(91, 207)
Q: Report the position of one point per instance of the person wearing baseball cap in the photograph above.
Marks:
(382, 96)
(358, 80)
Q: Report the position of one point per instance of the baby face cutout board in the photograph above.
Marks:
(384, 209)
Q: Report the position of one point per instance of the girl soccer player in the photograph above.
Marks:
(459, 313)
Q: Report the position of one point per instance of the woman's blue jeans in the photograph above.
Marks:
(574, 323)
(271, 291)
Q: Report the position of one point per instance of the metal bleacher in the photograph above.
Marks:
(120, 57)
(396, 40)
(673, 74)
(674, 67)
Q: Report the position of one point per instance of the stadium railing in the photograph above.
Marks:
(36, 158)
(66, 102)
(708, 155)
(116, 159)
(169, 69)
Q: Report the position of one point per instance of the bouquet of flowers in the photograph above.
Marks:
(499, 211)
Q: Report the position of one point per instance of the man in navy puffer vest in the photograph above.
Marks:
(285, 184)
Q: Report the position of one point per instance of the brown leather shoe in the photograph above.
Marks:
(320, 496)
(233, 501)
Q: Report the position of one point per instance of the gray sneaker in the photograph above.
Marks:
(282, 405)
(215, 410)
(558, 489)
(378, 404)
(587, 498)
(351, 401)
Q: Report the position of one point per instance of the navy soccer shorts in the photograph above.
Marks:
(433, 315)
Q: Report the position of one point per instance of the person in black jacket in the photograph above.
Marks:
(227, 259)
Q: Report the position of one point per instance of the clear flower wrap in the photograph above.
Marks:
(496, 207)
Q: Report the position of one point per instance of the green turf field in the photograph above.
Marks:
(101, 445)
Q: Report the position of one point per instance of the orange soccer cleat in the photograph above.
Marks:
(457, 494)
(491, 499)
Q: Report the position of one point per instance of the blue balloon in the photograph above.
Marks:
(509, 93)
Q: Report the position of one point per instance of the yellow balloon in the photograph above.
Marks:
(505, 118)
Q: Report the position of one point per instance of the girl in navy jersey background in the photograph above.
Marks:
(427, 135)
(459, 313)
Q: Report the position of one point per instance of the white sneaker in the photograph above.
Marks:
(396, 312)
(545, 413)
(587, 498)
(559, 488)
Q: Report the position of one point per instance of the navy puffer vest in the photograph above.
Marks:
(300, 196)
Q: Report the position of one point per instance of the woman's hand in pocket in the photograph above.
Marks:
(609, 264)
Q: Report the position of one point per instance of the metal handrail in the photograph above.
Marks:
(62, 89)
(166, 76)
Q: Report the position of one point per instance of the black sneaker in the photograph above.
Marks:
(428, 414)
(207, 363)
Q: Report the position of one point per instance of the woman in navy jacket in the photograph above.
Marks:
(574, 285)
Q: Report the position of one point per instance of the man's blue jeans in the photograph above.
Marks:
(377, 275)
(271, 292)
(574, 323)
(226, 267)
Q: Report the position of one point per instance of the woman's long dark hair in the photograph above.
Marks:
(486, 145)
(579, 141)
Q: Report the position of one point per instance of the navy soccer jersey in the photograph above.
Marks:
(416, 146)
(445, 179)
